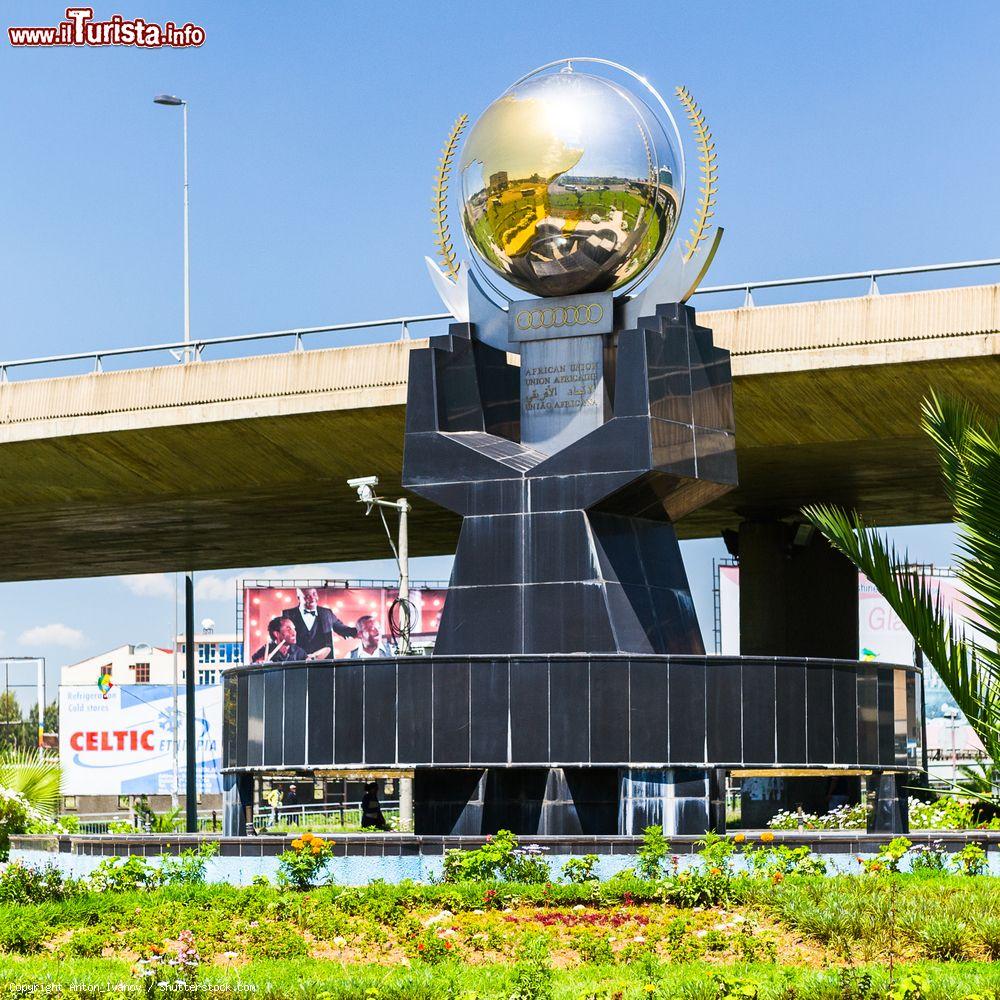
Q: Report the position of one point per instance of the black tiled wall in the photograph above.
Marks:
(573, 710)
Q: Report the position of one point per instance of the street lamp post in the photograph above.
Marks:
(169, 101)
(191, 789)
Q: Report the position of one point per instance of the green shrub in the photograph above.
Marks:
(20, 883)
(652, 854)
(500, 859)
(970, 860)
(22, 933)
(855, 984)
(888, 858)
(580, 870)
(129, 874)
(944, 938)
(945, 813)
(304, 861)
(988, 930)
(915, 986)
(188, 867)
(88, 942)
(928, 859)
(16, 813)
(532, 974)
(592, 947)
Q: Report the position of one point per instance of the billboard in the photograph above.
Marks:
(289, 624)
(119, 741)
(881, 635)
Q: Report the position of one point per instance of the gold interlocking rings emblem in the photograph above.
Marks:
(589, 314)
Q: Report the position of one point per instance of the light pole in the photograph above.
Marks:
(365, 486)
(190, 791)
(169, 101)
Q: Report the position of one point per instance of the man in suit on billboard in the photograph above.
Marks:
(372, 644)
(315, 625)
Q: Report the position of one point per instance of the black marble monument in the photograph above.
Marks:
(567, 543)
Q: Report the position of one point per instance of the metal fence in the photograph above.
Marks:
(319, 815)
(399, 327)
(101, 823)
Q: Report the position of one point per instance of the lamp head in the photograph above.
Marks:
(168, 100)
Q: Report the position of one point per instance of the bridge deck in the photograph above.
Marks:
(242, 462)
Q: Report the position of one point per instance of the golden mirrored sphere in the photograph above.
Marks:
(570, 184)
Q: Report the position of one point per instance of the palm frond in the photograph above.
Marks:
(958, 662)
(969, 452)
(34, 776)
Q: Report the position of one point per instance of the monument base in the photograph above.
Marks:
(575, 744)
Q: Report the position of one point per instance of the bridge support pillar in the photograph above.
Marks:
(798, 595)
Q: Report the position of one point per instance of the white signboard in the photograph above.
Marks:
(121, 742)
(881, 635)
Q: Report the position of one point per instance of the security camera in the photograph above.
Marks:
(365, 486)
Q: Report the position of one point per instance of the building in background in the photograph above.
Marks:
(150, 665)
(214, 651)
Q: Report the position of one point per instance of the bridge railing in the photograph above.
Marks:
(399, 327)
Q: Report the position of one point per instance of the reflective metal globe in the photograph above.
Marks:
(570, 184)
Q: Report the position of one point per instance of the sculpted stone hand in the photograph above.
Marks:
(573, 550)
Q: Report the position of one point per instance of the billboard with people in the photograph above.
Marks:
(290, 624)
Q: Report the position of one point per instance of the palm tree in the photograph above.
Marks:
(33, 776)
(969, 452)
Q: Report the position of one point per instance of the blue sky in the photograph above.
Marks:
(850, 136)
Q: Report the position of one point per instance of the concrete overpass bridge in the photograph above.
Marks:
(237, 462)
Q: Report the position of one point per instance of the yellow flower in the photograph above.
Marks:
(317, 849)
(297, 845)
(739, 838)
(649, 988)
(766, 837)
(307, 836)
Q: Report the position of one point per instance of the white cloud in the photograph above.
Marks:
(307, 572)
(150, 585)
(210, 587)
(55, 634)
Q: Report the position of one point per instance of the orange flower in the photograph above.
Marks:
(766, 837)
(777, 877)
(317, 849)
(715, 871)
(739, 838)
(297, 845)
(307, 836)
